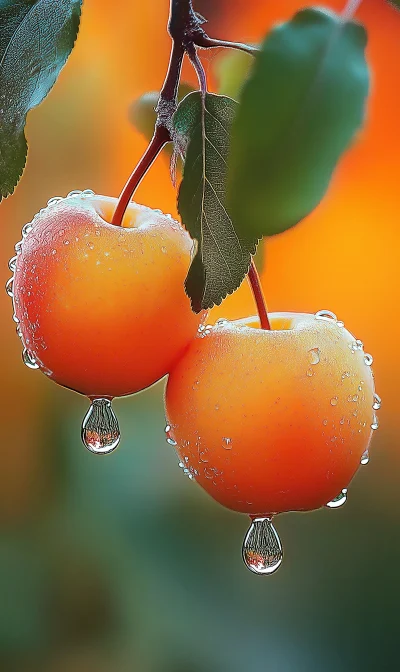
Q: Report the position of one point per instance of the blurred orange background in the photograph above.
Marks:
(344, 257)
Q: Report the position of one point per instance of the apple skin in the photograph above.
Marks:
(272, 421)
(102, 308)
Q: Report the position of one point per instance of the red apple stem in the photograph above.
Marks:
(255, 284)
(160, 138)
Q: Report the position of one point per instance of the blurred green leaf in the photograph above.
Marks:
(299, 110)
(142, 112)
(36, 38)
(231, 70)
(222, 258)
(395, 3)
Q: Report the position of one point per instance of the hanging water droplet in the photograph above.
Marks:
(54, 200)
(100, 430)
(375, 423)
(365, 457)
(339, 500)
(334, 401)
(12, 264)
(262, 550)
(26, 229)
(325, 315)
(168, 435)
(368, 359)
(29, 360)
(9, 287)
(377, 402)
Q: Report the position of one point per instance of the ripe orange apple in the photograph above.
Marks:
(102, 308)
(272, 421)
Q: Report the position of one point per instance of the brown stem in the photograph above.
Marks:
(160, 138)
(209, 43)
(254, 280)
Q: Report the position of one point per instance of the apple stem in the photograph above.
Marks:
(255, 284)
(184, 27)
(160, 138)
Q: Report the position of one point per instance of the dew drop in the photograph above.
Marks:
(314, 355)
(368, 359)
(365, 457)
(88, 192)
(310, 372)
(100, 430)
(334, 401)
(346, 374)
(18, 246)
(325, 315)
(15, 318)
(9, 287)
(168, 436)
(75, 192)
(54, 201)
(221, 322)
(340, 323)
(338, 501)
(12, 264)
(29, 360)
(325, 422)
(227, 443)
(377, 402)
(26, 229)
(375, 424)
(262, 549)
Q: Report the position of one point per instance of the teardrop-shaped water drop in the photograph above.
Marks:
(168, 436)
(365, 457)
(339, 500)
(29, 360)
(377, 402)
(9, 287)
(262, 549)
(100, 429)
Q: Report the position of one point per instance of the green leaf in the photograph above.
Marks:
(222, 257)
(231, 69)
(299, 110)
(36, 38)
(142, 112)
(395, 3)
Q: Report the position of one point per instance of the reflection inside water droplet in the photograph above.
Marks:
(368, 359)
(29, 359)
(339, 500)
(100, 430)
(365, 457)
(262, 550)
(377, 402)
(325, 315)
